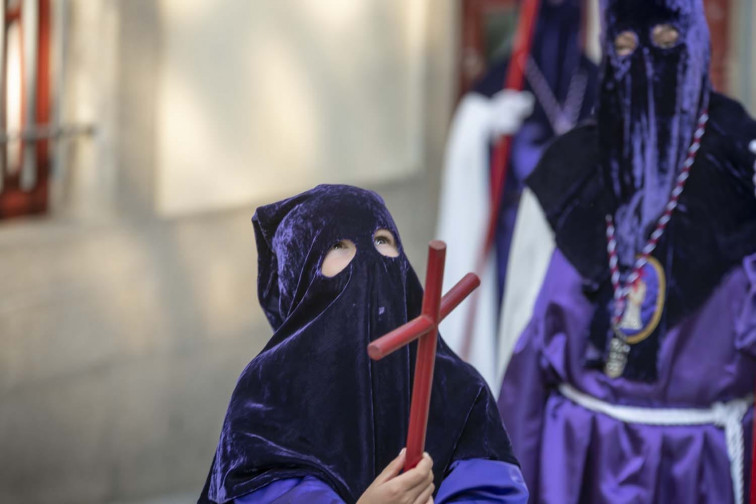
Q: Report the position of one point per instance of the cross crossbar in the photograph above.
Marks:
(425, 329)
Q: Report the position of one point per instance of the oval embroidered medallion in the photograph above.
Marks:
(644, 303)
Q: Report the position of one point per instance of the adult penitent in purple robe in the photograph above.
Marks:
(633, 381)
(312, 418)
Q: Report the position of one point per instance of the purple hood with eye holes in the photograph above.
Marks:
(649, 104)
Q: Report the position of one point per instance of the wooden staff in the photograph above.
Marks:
(500, 160)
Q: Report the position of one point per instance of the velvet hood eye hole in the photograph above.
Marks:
(338, 257)
(665, 35)
(625, 43)
(386, 243)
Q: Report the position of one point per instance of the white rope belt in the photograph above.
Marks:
(728, 416)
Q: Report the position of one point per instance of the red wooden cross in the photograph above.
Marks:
(425, 327)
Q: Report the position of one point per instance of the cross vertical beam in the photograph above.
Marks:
(425, 328)
(426, 355)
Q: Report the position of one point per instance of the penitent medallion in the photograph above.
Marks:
(641, 312)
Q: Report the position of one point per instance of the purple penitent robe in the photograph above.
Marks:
(570, 454)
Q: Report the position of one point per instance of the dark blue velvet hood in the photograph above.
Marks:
(312, 402)
(624, 163)
(649, 104)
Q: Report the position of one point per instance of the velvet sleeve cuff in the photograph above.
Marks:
(292, 491)
(478, 481)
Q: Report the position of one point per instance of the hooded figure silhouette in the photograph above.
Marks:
(633, 378)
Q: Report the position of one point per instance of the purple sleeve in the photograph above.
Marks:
(522, 399)
(479, 481)
(745, 321)
(292, 491)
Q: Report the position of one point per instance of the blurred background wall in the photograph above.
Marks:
(128, 309)
(128, 305)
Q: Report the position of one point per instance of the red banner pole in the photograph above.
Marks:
(500, 161)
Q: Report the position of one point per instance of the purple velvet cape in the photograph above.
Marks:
(556, 51)
(312, 403)
(711, 231)
(606, 168)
